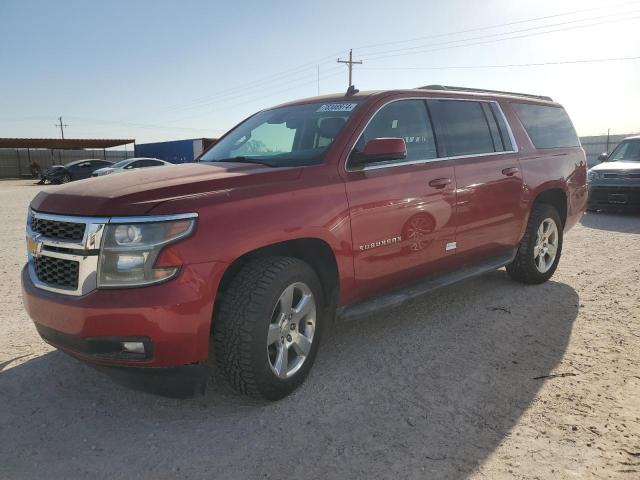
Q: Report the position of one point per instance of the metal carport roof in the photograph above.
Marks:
(63, 143)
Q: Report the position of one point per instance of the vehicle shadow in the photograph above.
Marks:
(612, 222)
(427, 390)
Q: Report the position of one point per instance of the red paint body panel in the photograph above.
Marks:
(243, 207)
(176, 315)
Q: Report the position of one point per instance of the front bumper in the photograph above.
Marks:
(614, 197)
(173, 319)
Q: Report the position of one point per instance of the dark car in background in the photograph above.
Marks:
(76, 170)
(614, 184)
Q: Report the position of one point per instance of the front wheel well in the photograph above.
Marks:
(557, 198)
(313, 251)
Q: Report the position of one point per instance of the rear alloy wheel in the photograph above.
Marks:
(546, 247)
(539, 251)
(267, 326)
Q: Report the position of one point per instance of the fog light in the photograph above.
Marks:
(133, 347)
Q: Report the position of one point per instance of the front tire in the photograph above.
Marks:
(267, 327)
(541, 247)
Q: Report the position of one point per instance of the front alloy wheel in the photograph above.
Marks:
(291, 330)
(267, 325)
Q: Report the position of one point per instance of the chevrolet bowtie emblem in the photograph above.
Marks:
(34, 247)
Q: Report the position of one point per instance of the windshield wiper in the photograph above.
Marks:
(245, 160)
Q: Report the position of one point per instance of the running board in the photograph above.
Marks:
(398, 297)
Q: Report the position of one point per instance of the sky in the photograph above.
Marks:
(164, 70)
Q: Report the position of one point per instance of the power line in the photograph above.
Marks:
(404, 52)
(383, 54)
(260, 83)
(567, 62)
(498, 25)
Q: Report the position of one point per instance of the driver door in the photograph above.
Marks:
(402, 211)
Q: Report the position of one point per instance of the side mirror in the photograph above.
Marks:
(603, 157)
(380, 149)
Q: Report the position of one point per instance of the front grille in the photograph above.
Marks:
(622, 196)
(58, 230)
(57, 271)
(622, 175)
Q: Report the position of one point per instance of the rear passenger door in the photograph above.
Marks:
(402, 211)
(489, 212)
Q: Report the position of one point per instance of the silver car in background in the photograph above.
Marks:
(130, 164)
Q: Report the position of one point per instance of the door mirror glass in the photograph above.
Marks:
(603, 157)
(380, 150)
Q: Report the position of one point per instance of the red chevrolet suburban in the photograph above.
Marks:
(324, 208)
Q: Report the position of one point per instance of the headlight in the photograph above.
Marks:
(594, 175)
(129, 252)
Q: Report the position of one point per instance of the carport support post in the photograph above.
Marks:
(19, 166)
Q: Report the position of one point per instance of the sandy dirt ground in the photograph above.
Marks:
(487, 379)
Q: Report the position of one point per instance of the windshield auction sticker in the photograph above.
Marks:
(337, 107)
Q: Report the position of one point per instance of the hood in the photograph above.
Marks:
(137, 192)
(616, 166)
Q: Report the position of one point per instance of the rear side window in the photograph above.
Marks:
(547, 127)
(407, 119)
(465, 128)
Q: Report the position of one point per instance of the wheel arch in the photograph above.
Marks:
(313, 251)
(557, 198)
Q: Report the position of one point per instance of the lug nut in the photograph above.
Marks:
(288, 338)
(293, 326)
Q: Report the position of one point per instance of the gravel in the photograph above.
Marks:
(484, 379)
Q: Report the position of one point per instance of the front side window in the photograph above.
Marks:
(627, 151)
(297, 135)
(465, 128)
(547, 127)
(407, 119)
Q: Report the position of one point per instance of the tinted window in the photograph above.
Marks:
(465, 130)
(406, 119)
(548, 127)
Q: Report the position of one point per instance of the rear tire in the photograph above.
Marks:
(541, 247)
(268, 325)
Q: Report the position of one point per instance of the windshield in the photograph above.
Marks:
(628, 151)
(282, 137)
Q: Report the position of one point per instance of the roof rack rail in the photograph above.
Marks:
(483, 90)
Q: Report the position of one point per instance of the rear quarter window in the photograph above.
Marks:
(547, 126)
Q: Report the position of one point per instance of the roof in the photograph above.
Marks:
(63, 143)
(434, 90)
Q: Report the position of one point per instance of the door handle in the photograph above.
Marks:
(439, 182)
(510, 172)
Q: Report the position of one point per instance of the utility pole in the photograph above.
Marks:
(350, 63)
(61, 125)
